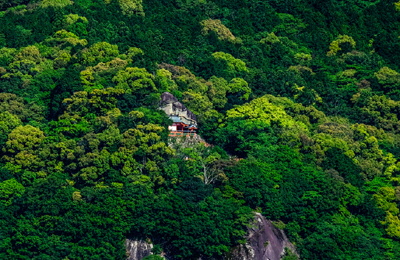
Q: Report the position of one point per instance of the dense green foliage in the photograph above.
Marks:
(299, 99)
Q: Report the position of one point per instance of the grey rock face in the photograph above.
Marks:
(171, 106)
(264, 242)
(137, 249)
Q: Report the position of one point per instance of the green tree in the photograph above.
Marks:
(10, 189)
(220, 30)
(99, 52)
(204, 162)
(55, 3)
(132, 7)
(228, 66)
(8, 122)
(342, 42)
(135, 80)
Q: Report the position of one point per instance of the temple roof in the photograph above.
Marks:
(175, 119)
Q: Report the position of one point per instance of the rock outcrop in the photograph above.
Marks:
(264, 242)
(137, 249)
(172, 107)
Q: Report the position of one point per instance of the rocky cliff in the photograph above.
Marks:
(264, 242)
(171, 106)
(137, 249)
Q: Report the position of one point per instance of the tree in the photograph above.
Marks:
(99, 52)
(144, 143)
(388, 78)
(63, 37)
(10, 189)
(21, 148)
(220, 30)
(19, 107)
(8, 122)
(228, 66)
(136, 81)
(76, 24)
(24, 138)
(204, 161)
(132, 7)
(55, 3)
(97, 101)
(343, 43)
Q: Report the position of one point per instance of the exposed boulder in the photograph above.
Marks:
(171, 106)
(264, 242)
(137, 249)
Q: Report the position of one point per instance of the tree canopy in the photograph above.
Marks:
(297, 105)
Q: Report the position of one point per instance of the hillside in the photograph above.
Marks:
(299, 101)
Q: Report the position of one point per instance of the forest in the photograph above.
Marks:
(298, 99)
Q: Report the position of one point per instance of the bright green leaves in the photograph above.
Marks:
(31, 74)
(17, 106)
(9, 190)
(228, 66)
(221, 31)
(111, 156)
(8, 122)
(111, 68)
(21, 147)
(343, 43)
(259, 120)
(303, 58)
(240, 87)
(289, 25)
(135, 80)
(221, 91)
(261, 109)
(98, 77)
(64, 37)
(278, 47)
(205, 97)
(82, 107)
(380, 111)
(97, 101)
(205, 162)
(393, 225)
(131, 7)
(24, 138)
(27, 62)
(71, 19)
(99, 52)
(55, 3)
(397, 6)
(31, 53)
(385, 199)
(164, 79)
(314, 172)
(144, 142)
(75, 23)
(7, 55)
(62, 58)
(198, 103)
(270, 38)
(388, 78)
(72, 125)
